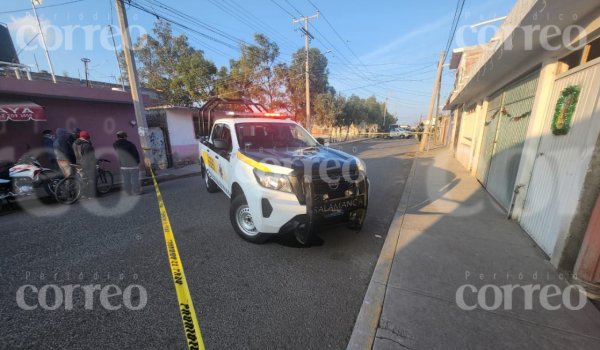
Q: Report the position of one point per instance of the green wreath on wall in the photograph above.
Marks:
(565, 108)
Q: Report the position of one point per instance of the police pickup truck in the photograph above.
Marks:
(279, 178)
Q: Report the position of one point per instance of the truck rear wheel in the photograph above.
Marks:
(211, 186)
(243, 224)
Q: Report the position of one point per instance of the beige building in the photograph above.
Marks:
(526, 111)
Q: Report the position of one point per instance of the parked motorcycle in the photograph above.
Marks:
(26, 178)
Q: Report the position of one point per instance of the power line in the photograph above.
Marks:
(282, 8)
(457, 14)
(41, 7)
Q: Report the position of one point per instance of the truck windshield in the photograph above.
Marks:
(273, 135)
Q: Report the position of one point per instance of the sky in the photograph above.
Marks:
(386, 48)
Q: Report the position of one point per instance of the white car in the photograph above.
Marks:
(399, 133)
(280, 179)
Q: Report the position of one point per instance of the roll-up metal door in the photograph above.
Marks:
(489, 136)
(513, 121)
(562, 161)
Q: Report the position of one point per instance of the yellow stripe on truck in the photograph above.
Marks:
(186, 307)
(252, 162)
(209, 161)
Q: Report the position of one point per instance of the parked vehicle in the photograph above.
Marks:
(279, 178)
(28, 177)
(399, 133)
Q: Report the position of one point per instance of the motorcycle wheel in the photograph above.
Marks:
(68, 191)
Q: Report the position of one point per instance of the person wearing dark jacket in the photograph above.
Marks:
(129, 158)
(48, 149)
(63, 149)
(86, 159)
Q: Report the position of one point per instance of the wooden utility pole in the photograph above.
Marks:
(434, 94)
(134, 85)
(307, 36)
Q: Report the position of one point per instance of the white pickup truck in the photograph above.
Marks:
(280, 179)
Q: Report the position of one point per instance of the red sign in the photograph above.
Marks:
(20, 112)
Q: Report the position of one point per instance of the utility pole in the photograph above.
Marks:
(34, 3)
(134, 84)
(384, 111)
(85, 66)
(434, 94)
(307, 37)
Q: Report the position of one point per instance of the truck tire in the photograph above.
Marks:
(241, 220)
(211, 186)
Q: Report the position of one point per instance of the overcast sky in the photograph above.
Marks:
(386, 48)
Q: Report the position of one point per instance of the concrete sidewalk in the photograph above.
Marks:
(449, 241)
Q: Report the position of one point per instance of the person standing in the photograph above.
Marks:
(86, 159)
(48, 146)
(129, 158)
(63, 149)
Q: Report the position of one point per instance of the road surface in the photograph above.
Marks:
(274, 295)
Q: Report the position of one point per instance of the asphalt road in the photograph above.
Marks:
(271, 296)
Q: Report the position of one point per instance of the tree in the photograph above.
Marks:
(168, 63)
(295, 80)
(254, 75)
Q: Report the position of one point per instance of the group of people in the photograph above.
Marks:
(66, 149)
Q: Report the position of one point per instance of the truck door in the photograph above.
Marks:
(217, 159)
(223, 160)
(209, 155)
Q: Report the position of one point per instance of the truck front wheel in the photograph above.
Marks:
(242, 221)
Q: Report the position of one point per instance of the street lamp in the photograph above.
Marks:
(35, 3)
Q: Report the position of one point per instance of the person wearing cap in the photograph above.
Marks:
(129, 159)
(86, 159)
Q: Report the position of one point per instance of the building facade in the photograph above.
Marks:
(527, 120)
(101, 111)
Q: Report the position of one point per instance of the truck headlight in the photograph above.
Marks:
(273, 181)
(361, 165)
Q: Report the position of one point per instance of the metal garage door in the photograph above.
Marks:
(489, 136)
(562, 161)
(513, 121)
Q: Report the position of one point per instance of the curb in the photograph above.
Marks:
(365, 327)
(147, 181)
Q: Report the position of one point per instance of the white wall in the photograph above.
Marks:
(181, 127)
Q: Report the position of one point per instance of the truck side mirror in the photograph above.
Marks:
(321, 141)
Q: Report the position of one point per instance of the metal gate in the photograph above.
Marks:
(562, 161)
(513, 120)
(489, 137)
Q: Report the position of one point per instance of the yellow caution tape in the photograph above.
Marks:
(186, 307)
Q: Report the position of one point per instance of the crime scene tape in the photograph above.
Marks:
(186, 307)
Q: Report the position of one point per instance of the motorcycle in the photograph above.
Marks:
(26, 178)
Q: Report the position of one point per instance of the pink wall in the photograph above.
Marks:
(101, 119)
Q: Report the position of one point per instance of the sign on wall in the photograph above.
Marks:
(20, 112)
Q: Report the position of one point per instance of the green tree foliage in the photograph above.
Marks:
(167, 63)
(329, 109)
(296, 82)
(254, 75)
